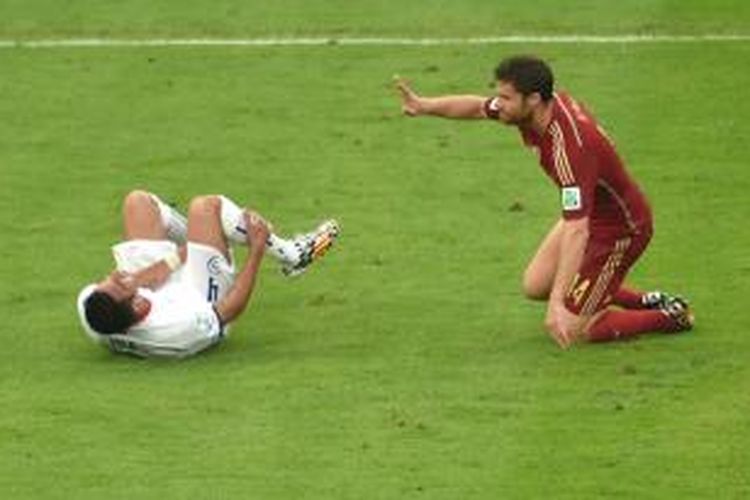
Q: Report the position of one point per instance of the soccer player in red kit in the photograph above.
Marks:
(605, 224)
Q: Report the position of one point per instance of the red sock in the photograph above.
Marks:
(628, 298)
(613, 324)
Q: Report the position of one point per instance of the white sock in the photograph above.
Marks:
(233, 223)
(174, 222)
(284, 250)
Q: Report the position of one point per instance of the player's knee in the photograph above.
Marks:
(205, 205)
(137, 198)
(136, 203)
(535, 288)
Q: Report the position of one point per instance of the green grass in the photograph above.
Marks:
(407, 365)
(134, 18)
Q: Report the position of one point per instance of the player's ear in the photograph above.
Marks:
(534, 99)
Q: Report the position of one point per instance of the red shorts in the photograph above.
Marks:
(607, 259)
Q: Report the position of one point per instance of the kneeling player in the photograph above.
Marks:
(606, 220)
(174, 291)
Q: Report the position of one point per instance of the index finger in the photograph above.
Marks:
(402, 85)
(560, 337)
(567, 338)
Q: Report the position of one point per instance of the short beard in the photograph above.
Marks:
(526, 118)
(522, 122)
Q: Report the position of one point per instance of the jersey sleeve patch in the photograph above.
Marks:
(571, 198)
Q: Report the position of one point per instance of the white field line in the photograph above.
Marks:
(374, 41)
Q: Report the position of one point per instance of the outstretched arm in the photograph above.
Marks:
(238, 296)
(450, 106)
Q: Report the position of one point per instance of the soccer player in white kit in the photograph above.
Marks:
(175, 289)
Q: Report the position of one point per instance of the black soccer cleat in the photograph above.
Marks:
(678, 310)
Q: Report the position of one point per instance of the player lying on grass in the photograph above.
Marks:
(605, 224)
(174, 291)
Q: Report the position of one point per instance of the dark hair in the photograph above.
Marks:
(528, 74)
(105, 315)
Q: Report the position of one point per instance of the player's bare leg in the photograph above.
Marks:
(141, 218)
(204, 224)
(147, 217)
(541, 270)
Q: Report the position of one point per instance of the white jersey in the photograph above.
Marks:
(182, 320)
(180, 323)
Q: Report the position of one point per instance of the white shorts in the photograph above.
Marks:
(133, 255)
(206, 268)
(208, 271)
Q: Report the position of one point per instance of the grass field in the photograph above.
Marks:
(407, 365)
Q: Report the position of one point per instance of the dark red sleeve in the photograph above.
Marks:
(577, 170)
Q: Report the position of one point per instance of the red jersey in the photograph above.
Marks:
(579, 157)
